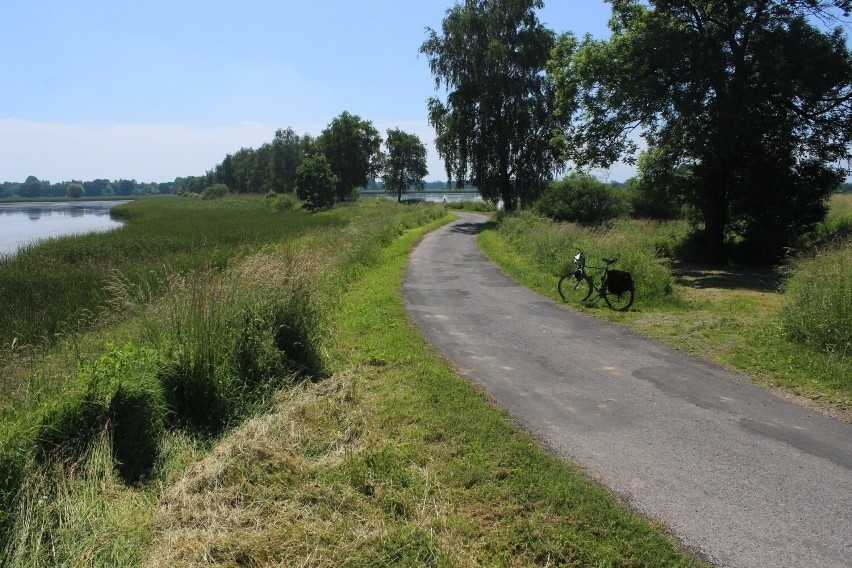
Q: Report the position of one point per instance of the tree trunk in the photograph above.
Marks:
(715, 219)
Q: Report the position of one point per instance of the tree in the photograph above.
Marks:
(495, 123)
(315, 182)
(657, 190)
(287, 155)
(352, 147)
(405, 163)
(32, 187)
(581, 198)
(75, 190)
(749, 95)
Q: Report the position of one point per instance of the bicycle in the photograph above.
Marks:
(616, 287)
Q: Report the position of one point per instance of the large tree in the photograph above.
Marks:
(287, 154)
(493, 127)
(752, 97)
(405, 163)
(353, 149)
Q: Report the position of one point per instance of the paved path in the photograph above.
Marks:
(738, 475)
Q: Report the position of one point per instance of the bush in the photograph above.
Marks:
(286, 202)
(215, 191)
(581, 198)
(478, 205)
(817, 308)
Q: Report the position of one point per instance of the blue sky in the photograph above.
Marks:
(159, 89)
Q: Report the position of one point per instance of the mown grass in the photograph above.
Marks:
(731, 316)
(393, 461)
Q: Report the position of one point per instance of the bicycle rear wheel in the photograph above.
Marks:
(573, 290)
(619, 302)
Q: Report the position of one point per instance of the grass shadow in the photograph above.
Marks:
(762, 279)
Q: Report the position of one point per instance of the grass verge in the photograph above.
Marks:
(393, 461)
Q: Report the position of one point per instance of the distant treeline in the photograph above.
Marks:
(34, 188)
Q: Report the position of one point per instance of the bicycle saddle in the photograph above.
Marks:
(610, 260)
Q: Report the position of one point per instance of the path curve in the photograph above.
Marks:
(738, 474)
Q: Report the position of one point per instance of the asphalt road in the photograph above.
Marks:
(738, 474)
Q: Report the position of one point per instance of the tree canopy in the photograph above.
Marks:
(315, 182)
(494, 124)
(352, 146)
(405, 163)
(753, 97)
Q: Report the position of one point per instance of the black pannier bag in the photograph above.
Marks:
(618, 281)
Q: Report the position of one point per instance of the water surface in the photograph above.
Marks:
(23, 223)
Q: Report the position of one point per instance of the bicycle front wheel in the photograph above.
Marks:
(619, 302)
(573, 290)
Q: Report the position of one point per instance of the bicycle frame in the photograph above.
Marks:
(617, 301)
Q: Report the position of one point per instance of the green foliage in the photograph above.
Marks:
(490, 59)
(286, 202)
(315, 182)
(62, 285)
(215, 191)
(817, 310)
(75, 190)
(272, 167)
(121, 394)
(657, 191)
(754, 101)
(478, 205)
(582, 199)
(837, 225)
(405, 163)
(352, 147)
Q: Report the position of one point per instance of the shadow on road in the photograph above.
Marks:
(468, 228)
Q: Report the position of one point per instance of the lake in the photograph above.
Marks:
(431, 196)
(22, 223)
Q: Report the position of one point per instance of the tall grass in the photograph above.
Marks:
(58, 286)
(837, 225)
(639, 246)
(818, 300)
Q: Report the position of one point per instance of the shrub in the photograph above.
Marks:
(215, 191)
(479, 205)
(817, 309)
(581, 198)
(286, 202)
